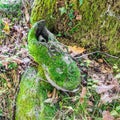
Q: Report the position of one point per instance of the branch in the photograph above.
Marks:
(98, 52)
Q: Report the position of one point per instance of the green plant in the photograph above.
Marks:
(59, 34)
(12, 65)
(11, 11)
(62, 10)
(116, 68)
(1, 112)
(71, 14)
(116, 111)
(91, 83)
(80, 2)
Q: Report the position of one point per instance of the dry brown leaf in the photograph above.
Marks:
(104, 88)
(89, 118)
(52, 96)
(54, 93)
(100, 60)
(5, 63)
(75, 50)
(79, 17)
(26, 8)
(116, 84)
(105, 69)
(49, 100)
(90, 103)
(27, 16)
(83, 94)
(107, 116)
(109, 98)
(105, 98)
(49, 94)
(9, 85)
(18, 61)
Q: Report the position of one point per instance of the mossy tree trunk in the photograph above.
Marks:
(93, 24)
(43, 9)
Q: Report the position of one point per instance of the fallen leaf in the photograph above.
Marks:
(26, 60)
(74, 50)
(68, 109)
(6, 23)
(62, 10)
(104, 88)
(107, 116)
(100, 60)
(26, 9)
(105, 69)
(5, 63)
(49, 94)
(49, 100)
(18, 61)
(6, 28)
(79, 17)
(54, 94)
(117, 76)
(60, 3)
(106, 98)
(52, 97)
(83, 94)
(116, 84)
(9, 85)
(90, 103)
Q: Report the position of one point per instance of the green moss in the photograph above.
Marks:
(30, 100)
(98, 28)
(43, 9)
(61, 68)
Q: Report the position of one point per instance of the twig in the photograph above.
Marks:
(13, 59)
(98, 52)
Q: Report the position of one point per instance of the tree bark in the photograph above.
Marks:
(91, 24)
(43, 9)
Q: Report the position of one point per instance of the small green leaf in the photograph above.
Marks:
(12, 65)
(1, 112)
(70, 23)
(62, 10)
(117, 76)
(71, 14)
(59, 34)
(95, 81)
(94, 86)
(114, 113)
(118, 109)
(80, 2)
(90, 80)
(88, 62)
(115, 66)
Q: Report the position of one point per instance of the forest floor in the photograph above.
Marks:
(100, 87)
